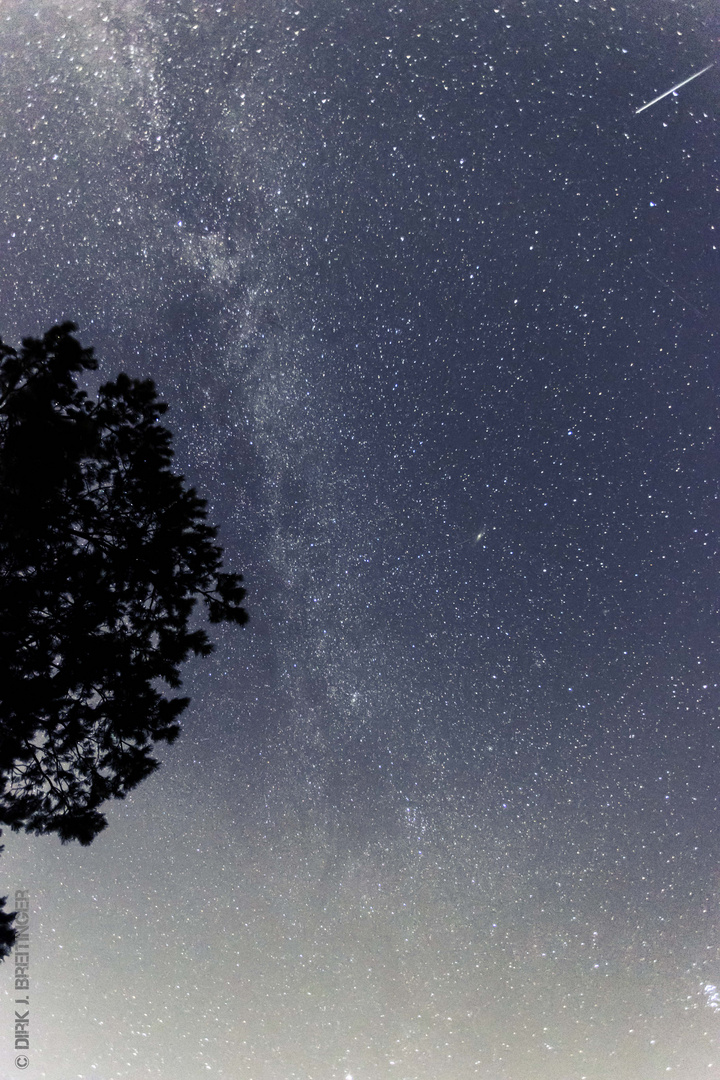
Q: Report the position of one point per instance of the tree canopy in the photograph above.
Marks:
(104, 553)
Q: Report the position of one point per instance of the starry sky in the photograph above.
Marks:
(435, 312)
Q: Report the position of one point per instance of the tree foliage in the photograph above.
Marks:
(103, 555)
(8, 933)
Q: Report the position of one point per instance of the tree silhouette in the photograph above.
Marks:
(8, 933)
(103, 555)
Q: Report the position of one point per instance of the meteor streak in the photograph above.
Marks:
(674, 88)
(673, 291)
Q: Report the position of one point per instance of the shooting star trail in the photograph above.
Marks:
(679, 295)
(674, 88)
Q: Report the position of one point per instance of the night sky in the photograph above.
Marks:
(435, 311)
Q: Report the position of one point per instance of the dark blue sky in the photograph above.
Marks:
(435, 312)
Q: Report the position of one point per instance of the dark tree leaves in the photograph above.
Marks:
(103, 555)
(8, 934)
